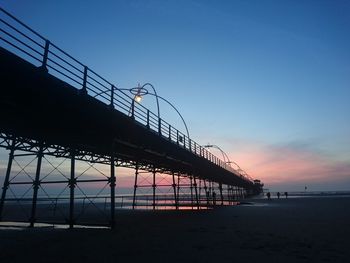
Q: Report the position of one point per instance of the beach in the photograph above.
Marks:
(279, 230)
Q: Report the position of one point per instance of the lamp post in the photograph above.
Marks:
(141, 91)
(224, 155)
(139, 95)
(138, 92)
(241, 172)
(239, 168)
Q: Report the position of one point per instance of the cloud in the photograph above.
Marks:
(293, 163)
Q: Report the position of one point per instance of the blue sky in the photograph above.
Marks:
(261, 79)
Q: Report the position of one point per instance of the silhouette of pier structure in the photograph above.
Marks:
(58, 114)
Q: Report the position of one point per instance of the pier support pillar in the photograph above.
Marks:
(229, 194)
(191, 189)
(154, 189)
(112, 184)
(196, 192)
(135, 186)
(178, 190)
(36, 185)
(200, 190)
(206, 192)
(221, 195)
(7, 177)
(72, 184)
(174, 188)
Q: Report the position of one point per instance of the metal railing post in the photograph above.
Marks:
(159, 126)
(169, 132)
(148, 126)
(46, 54)
(133, 109)
(112, 97)
(84, 90)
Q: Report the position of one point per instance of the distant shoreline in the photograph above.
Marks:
(295, 194)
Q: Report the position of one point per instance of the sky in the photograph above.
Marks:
(266, 81)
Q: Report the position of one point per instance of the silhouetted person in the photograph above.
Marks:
(286, 194)
(268, 195)
(278, 195)
(214, 198)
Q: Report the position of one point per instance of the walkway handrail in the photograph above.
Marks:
(23, 41)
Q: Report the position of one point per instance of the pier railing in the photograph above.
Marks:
(23, 41)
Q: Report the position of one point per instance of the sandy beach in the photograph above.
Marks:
(284, 230)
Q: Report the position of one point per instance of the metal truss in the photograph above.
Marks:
(73, 204)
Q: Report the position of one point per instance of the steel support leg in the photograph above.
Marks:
(206, 192)
(135, 186)
(221, 195)
(178, 190)
(36, 185)
(210, 190)
(191, 189)
(154, 189)
(200, 191)
(174, 188)
(213, 194)
(72, 184)
(7, 177)
(229, 194)
(196, 191)
(112, 185)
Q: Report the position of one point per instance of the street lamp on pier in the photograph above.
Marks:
(224, 155)
(227, 160)
(140, 91)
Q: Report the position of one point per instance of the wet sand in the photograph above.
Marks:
(285, 230)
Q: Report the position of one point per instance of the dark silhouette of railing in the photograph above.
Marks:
(30, 45)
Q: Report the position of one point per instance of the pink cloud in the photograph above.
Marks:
(291, 164)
